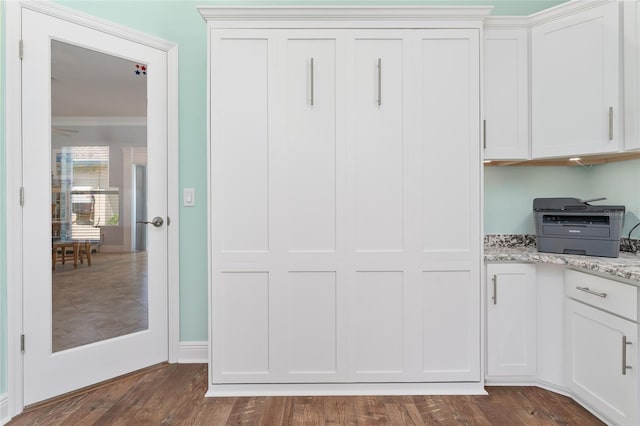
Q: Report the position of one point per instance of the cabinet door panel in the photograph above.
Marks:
(575, 82)
(241, 86)
(378, 144)
(310, 78)
(511, 320)
(377, 330)
(243, 324)
(449, 129)
(450, 326)
(506, 98)
(594, 353)
(311, 321)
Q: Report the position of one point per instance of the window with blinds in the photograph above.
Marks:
(83, 174)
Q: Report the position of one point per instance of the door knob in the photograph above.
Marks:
(157, 221)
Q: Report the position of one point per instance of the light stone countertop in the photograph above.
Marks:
(626, 266)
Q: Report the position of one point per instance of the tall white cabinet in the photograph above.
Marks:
(344, 196)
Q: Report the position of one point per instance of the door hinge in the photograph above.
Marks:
(22, 343)
(22, 196)
(21, 49)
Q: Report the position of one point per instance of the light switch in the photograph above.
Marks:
(189, 197)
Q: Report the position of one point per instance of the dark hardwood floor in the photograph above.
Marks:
(172, 394)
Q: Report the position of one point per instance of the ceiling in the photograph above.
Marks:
(86, 83)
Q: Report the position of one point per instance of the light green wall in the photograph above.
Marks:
(620, 183)
(178, 21)
(509, 192)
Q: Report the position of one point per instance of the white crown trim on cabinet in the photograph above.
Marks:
(344, 13)
(565, 9)
(506, 22)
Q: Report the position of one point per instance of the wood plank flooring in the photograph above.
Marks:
(106, 300)
(173, 394)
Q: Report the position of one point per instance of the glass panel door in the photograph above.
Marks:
(99, 262)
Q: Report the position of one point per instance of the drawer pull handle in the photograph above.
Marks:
(595, 293)
(625, 367)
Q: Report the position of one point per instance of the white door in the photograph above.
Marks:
(78, 196)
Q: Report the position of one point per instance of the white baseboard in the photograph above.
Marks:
(4, 409)
(193, 353)
(524, 381)
(345, 389)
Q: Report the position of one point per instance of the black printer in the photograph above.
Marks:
(573, 226)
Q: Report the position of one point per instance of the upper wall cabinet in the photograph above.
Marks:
(576, 106)
(506, 94)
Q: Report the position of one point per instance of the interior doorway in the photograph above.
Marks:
(93, 307)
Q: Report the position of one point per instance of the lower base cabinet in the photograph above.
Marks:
(511, 320)
(581, 339)
(601, 351)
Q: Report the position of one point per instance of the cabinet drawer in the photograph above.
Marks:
(613, 296)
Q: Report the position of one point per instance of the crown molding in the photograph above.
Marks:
(565, 9)
(342, 13)
(507, 22)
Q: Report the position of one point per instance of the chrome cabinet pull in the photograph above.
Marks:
(595, 293)
(495, 289)
(379, 81)
(610, 123)
(484, 134)
(625, 367)
(311, 100)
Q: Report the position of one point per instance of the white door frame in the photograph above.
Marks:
(13, 142)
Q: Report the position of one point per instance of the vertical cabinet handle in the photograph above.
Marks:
(484, 134)
(379, 81)
(625, 367)
(311, 78)
(495, 289)
(610, 123)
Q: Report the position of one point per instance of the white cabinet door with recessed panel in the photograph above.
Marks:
(576, 103)
(506, 94)
(602, 361)
(412, 170)
(511, 320)
(444, 220)
(278, 255)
